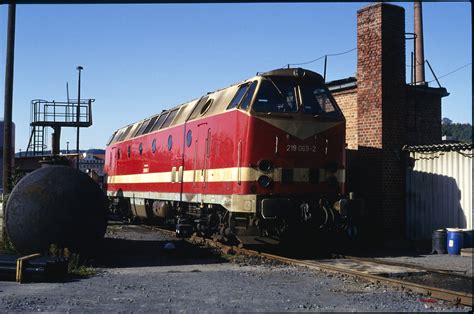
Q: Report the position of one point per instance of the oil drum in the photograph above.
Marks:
(438, 242)
(56, 205)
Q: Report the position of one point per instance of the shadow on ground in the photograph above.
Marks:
(143, 253)
(140, 246)
(330, 245)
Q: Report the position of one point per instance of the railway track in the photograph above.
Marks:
(461, 295)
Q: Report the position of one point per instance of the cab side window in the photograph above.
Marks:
(238, 96)
(248, 96)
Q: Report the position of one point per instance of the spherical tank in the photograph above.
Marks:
(56, 205)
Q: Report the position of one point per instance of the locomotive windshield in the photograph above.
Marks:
(276, 96)
(316, 100)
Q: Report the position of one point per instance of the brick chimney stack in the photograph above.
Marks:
(381, 88)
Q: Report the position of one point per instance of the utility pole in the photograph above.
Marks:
(78, 115)
(325, 64)
(7, 115)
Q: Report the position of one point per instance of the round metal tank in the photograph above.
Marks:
(56, 205)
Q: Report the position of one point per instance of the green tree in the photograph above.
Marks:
(461, 132)
(446, 121)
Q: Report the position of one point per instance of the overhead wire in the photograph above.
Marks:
(319, 58)
(371, 17)
(453, 71)
(341, 53)
(395, 52)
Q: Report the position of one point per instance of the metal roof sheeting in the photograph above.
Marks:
(438, 189)
(445, 147)
(340, 85)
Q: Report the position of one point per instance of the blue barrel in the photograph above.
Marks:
(468, 238)
(455, 240)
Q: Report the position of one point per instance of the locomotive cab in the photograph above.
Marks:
(296, 142)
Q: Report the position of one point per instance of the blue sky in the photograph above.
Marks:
(140, 59)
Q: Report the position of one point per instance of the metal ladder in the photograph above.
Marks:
(36, 143)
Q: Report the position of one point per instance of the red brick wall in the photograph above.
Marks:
(393, 134)
(347, 101)
(369, 76)
(423, 116)
(420, 120)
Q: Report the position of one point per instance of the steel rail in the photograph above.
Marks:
(456, 297)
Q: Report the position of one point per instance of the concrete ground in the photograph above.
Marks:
(453, 263)
(136, 273)
(423, 257)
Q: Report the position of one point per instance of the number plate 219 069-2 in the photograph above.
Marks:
(301, 148)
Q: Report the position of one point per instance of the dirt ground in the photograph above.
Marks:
(135, 272)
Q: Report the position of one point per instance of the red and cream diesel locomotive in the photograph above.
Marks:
(259, 158)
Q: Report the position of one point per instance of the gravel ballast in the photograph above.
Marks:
(137, 274)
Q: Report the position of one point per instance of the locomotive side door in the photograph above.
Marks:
(111, 168)
(197, 150)
(201, 157)
(112, 160)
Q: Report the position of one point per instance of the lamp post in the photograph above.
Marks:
(78, 116)
(8, 102)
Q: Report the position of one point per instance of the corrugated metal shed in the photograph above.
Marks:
(438, 189)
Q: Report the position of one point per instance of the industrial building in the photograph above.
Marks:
(383, 114)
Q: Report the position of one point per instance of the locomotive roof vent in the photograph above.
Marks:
(294, 72)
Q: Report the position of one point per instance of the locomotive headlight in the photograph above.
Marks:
(299, 72)
(264, 165)
(264, 181)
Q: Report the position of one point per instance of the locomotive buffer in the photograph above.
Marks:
(56, 114)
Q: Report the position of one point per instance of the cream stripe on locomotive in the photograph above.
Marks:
(207, 175)
(232, 202)
(234, 174)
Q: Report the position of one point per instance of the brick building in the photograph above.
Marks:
(383, 113)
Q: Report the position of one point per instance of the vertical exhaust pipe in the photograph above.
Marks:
(419, 49)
